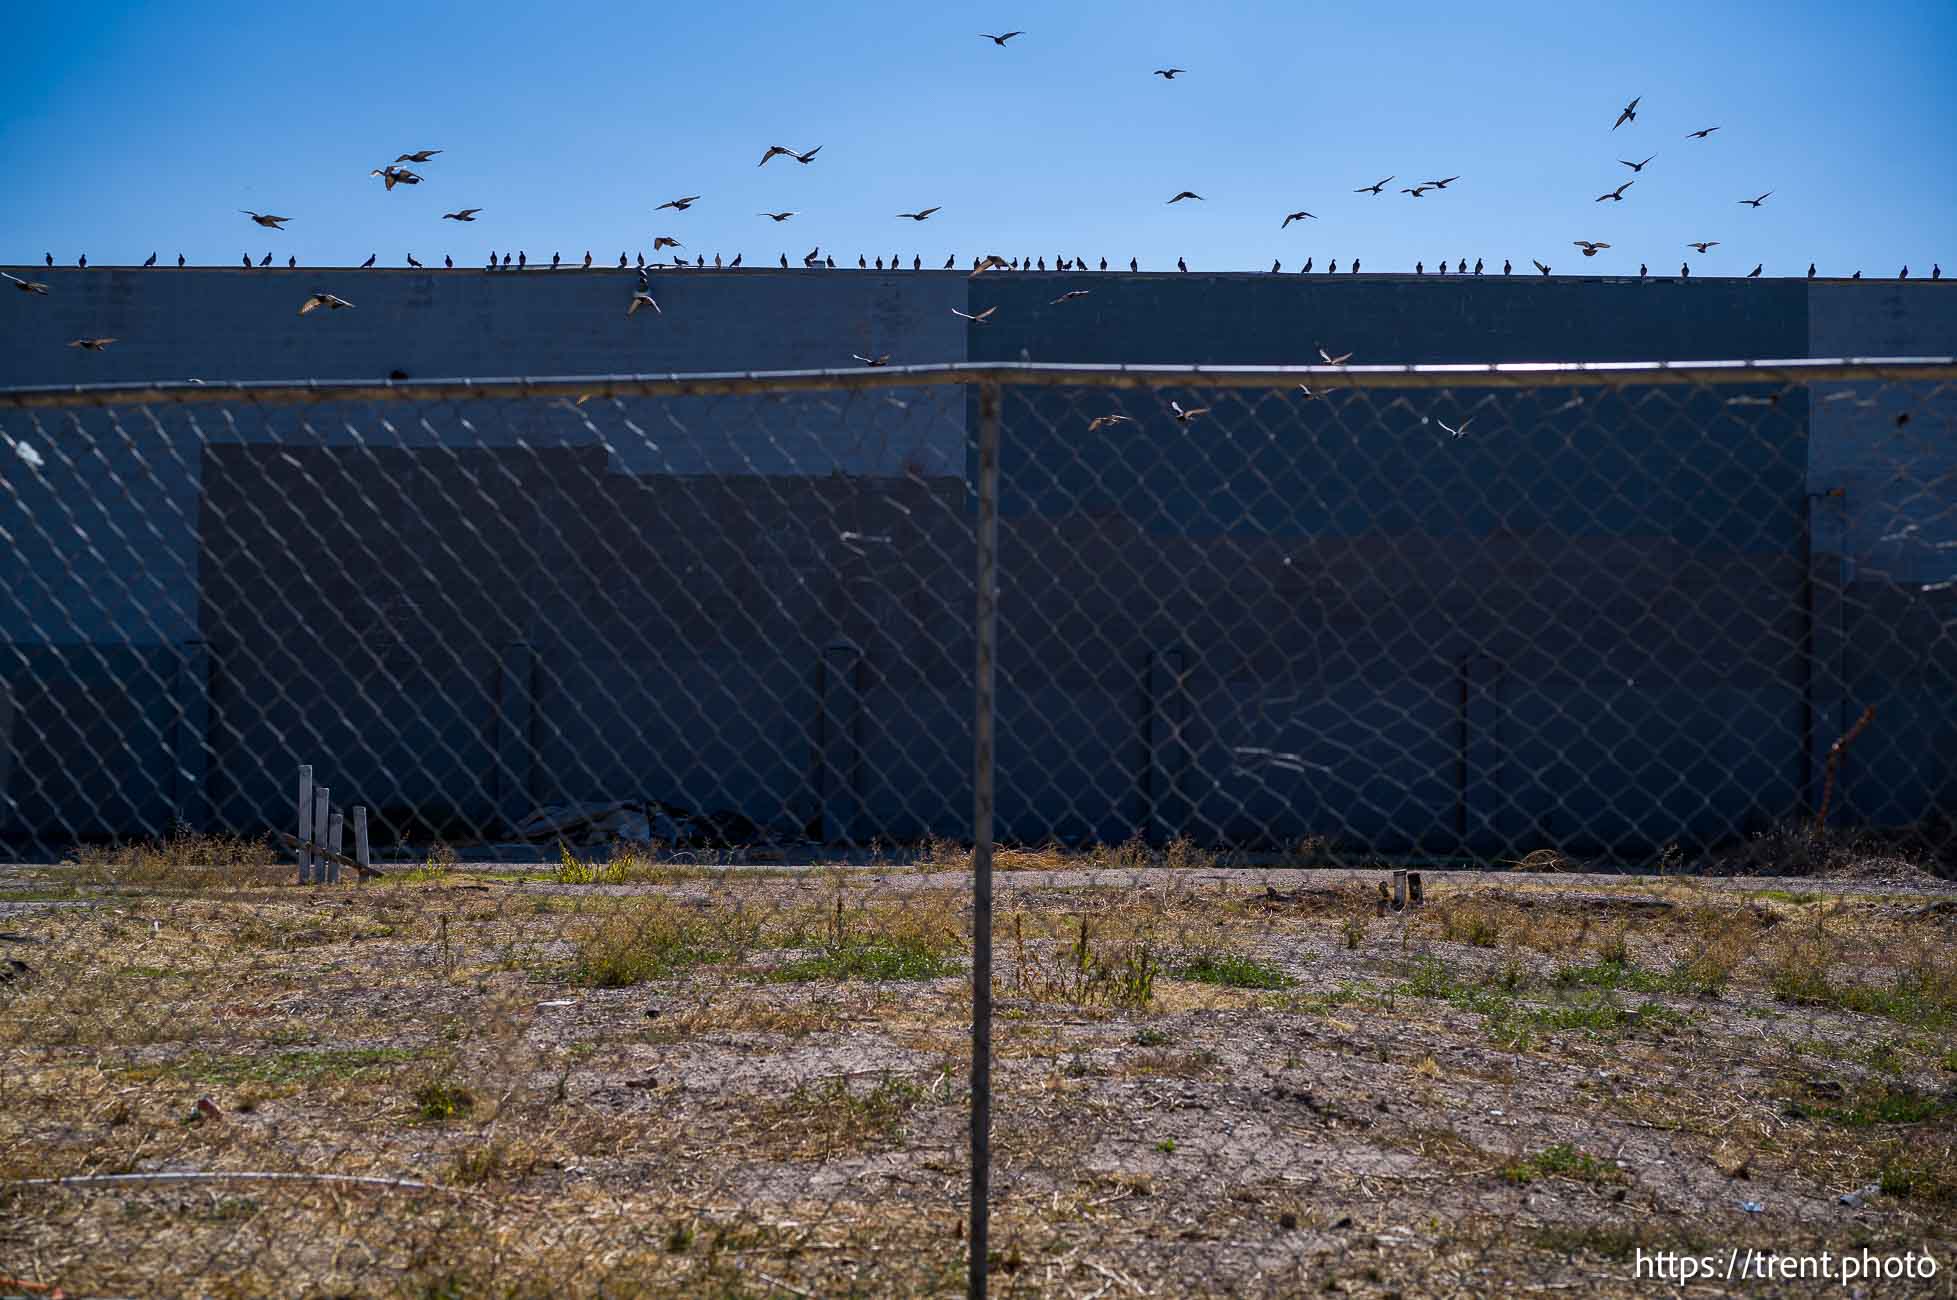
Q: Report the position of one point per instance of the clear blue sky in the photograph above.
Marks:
(134, 128)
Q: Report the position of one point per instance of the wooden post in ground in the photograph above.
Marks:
(305, 823)
(336, 826)
(1399, 891)
(360, 853)
(322, 806)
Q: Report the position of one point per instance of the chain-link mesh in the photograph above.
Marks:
(526, 838)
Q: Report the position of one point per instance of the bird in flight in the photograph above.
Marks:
(679, 204)
(1103, 421)
(1186, 194)
(665, 241)
(1000, 40)
(979, 319)
(881, 359)
(1374, 188)
(265, 220)
(1331, 360)
(642, 300)
(392, 176)
(1169, 74)
(777, 151)
(1462, 432)
(331, 302)
(918, 216)
(1540, 266)
(776, 217)
(1638, 166)
(467, 214)
(1702, 244)
(1297, 216)
(1416, 190)
(991, 262)
(1754, 203)
(1618, 193)
(1589, 249)
(1700, 135)
(1630, 114)
(91, 345)
(1441, 185)
(1069, 296)
(1184, 417)
(418, 156)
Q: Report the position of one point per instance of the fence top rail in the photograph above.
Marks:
(1502, 375)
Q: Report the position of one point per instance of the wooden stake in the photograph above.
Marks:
(336, 826)
(322, 806)
(362, 861)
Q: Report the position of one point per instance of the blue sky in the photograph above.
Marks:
(145, 128)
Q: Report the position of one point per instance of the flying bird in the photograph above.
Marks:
(1441, 185)
(776, 217)
(776, 151)
(26, 286)
(1297, 216)
(1103, 421)
(991, 262)
(1618, 193)
(806, 158)
(1374, 188)
(1069, 296)
(269, 222)
(1637, 166)
(1754, 203)
(882, 359)
(392, 176)
(1700, 135)
(1589, 248)
(331, 302)
(1331, 360)
(91, 345)
(1000, 40)
(1630, 114)
(467, 214)
(665, 241)
(1169, 74)
(1416, 191)
(918, 216)
(1186, 194)
(979, 319)
(1462, 432)
(1702, 245)
(418, 156)
(679, 204)
(642, 300)
(1184, 417)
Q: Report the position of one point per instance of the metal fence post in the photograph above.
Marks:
(987, 630)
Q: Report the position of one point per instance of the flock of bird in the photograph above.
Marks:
(397, 173)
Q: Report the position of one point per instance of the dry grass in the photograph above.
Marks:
(677, 1083)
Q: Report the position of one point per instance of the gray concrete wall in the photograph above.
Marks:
(1614, 620)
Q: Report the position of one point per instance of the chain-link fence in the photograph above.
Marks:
(540, 837)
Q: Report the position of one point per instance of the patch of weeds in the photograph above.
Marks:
(281, 1068)
(1232, 970)
(1560, 1161)
(440, 1100)
(657, 937)
(1152, 1038)
(491, 1162)
(1167, 1146)
(1924, 1172)
(1183, 852)
(1613, 973)
(898, 957)
(1470, 921)
(1882, 1103)
(184, 859)
(1923, 993)
(1516, 1025)
(1087, 972)
(836, 1116)
(1353, 928)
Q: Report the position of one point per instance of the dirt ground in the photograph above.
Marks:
(666, 1079)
